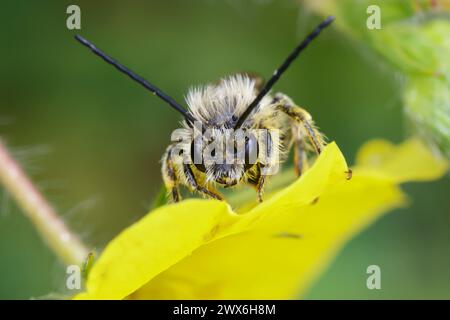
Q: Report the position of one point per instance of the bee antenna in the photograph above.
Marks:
(152, 88)
(277, 74)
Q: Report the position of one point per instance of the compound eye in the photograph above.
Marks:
(251, 152)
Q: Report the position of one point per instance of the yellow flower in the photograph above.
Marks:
(202, 249)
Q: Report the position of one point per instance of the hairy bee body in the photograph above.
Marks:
(241, 103)
(218, 107)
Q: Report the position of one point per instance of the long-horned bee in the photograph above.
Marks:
(234, 131)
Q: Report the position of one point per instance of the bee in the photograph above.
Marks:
(238, 102)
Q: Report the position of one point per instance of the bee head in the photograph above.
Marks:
(223, 157)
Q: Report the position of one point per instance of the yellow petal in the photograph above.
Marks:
(152, 245)
(411, 160)
(171, 233)
(283, 257)
(202, 249)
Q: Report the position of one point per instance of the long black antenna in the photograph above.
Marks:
(277, 74)
(155, 90)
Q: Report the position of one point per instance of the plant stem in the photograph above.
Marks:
(51, 227)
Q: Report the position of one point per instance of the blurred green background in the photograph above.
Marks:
(92, 139)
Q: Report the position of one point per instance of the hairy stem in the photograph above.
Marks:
(59, 238)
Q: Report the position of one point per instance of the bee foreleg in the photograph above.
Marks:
(257, 180)
(169, 174)
(260, 187)
(192, 181)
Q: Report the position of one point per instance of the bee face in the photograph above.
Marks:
(227, 175)
(224, 156)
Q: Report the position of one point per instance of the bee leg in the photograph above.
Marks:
(300, 157)
(190, 177)
(303, 118)
(257, 180)
(169, 174)
(260, 187)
